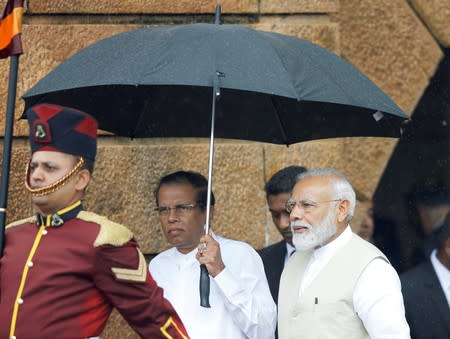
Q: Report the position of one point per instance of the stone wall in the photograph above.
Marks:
(394, 42)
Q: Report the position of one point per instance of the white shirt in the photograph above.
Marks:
(289, 250)
(240, 299)
(377, 298)
(443, 274)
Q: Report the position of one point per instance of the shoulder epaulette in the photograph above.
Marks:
(20, 222)
(111, 233)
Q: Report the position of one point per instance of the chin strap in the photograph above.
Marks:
(38, 192)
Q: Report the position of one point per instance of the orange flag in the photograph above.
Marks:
(10, 29)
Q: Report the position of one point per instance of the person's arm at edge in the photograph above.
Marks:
(140, 302)
(378, 301)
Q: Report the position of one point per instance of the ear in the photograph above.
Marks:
(446, 245)
(343, 208)
(83, 178)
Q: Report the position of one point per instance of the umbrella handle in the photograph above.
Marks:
(204, 286)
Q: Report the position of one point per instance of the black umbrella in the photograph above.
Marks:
(157, 82)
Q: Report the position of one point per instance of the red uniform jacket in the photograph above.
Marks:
(63, 281)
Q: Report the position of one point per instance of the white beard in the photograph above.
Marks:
(315, 236)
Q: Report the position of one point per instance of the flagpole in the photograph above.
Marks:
(7, 144)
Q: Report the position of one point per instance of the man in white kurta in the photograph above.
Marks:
(336, 285)
(241, 303)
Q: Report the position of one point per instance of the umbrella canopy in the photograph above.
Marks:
(156, 82)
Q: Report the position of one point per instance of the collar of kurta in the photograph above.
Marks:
(57, 219)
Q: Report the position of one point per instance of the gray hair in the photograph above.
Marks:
(342, 189)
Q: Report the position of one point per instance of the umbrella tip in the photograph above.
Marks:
(218, 20)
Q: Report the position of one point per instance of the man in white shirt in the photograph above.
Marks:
(241, 304)
(426, 289)
(336, 285)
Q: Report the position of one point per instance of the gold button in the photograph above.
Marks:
(44, 232)
(30, 264)
(20, 301)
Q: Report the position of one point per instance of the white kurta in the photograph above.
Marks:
(241, 303)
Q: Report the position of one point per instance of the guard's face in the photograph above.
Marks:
(182, 227)
(46, 168)
(280, 217)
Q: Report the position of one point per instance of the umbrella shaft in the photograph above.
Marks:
(216, 95)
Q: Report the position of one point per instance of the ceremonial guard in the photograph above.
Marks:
(65, 269)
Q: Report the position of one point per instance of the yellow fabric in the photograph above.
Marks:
(110, 233)
(139, 274)
(69, 208)
(168, 324)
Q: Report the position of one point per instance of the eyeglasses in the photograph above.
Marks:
(181, 209)
(305, 205)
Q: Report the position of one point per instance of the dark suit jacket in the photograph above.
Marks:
(427, 310)
(273, 259)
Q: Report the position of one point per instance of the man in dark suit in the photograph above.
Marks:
(432, 205)
(426, 291)
(278, 191)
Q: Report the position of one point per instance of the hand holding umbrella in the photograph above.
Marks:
(210, 264)
(209, 255)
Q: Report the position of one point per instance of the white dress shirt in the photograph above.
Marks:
(289, 250)
(443, 274)
(377, 298)
(240, 299)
